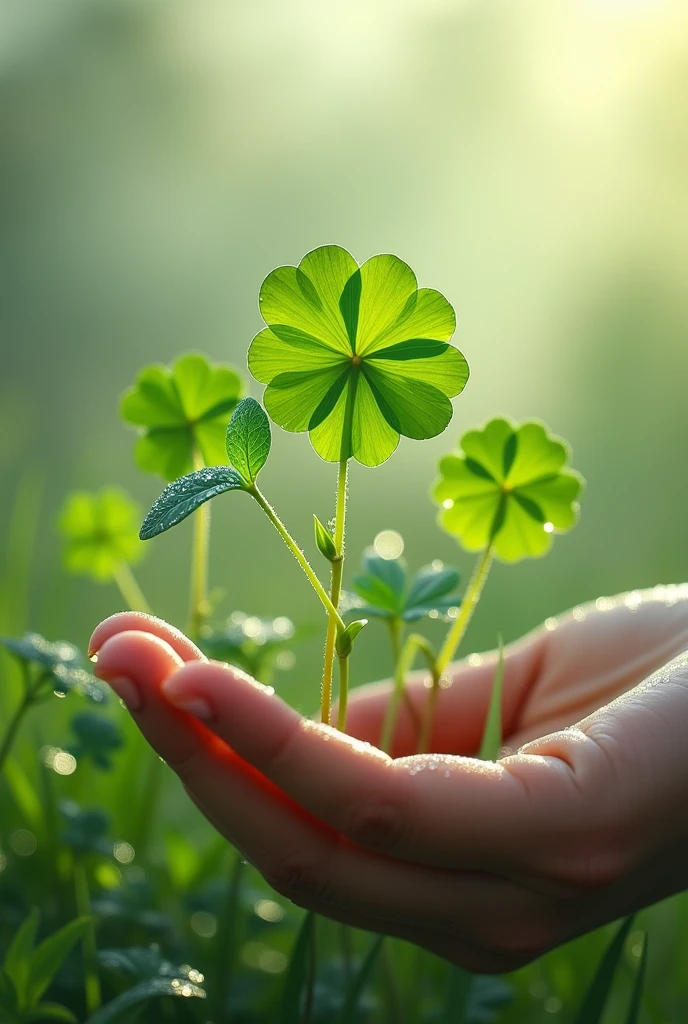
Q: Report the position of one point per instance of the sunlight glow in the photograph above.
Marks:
(389, 545)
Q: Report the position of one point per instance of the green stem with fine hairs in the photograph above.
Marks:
(415, 644)
(297, 553)
(335, 594)
(468, 605)
(129, 589)
(198, 598)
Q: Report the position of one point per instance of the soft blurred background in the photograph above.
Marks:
(529, 160)
(159, 157)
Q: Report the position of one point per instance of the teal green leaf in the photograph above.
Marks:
(248, 439)
(297, 973)
(492, 733)
(324, 540)
(633, 1016)
(355, 355)
(595, 1001)
(49, 956)
(18, 959)
(97, 738)
(383, 590)
(181, 413)
(509, 486)
(58, 663)
(184, 496)
(345, 640)
(349, 1013)
(155, 988)
(100, 532)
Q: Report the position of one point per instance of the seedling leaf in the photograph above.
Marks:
(49, 956)
(638, 985)
(18, 958)
(248, 439)
(345, 640)
(184, 496)
(324, 540)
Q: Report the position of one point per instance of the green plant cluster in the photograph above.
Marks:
(137, 921)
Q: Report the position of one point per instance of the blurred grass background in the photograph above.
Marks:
(530, 160)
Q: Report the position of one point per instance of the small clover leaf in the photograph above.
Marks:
(385, 591)
(184, 496)
(179, 411)
(248, 439)
(59, 664)
(355, 355)
(508, 487)
(100, 533)
(97, 738)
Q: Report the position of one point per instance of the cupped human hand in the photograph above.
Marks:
(581, 821)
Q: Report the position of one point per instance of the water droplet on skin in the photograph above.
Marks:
(447, 774)
(475, 660)
(551, 625)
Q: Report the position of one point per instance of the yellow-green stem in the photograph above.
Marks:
(297, 553)
(343, 692)
(335, 594)
(88, 942)
(129, 589)
(415, 643)
(470, 600)
(199, 562)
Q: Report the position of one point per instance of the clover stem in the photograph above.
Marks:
(468, 606)
(28, 698)
(415, 644)
(88, 942)
(343, 692)
(199, 561)
(335, 594)
(297, 553)
(129, 589)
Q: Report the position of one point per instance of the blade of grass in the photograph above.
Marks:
(596, 997)
(297, 973)
(492, 734)
(638, 986)
(349, 1011)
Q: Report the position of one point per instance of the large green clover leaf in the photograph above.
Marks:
(355, 355)
(101, 532)
(182, 414)
(508, 487)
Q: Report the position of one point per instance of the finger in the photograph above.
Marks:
(300, 856)
(461, 707)
(144, 623)
(515, 818)
(599, 650)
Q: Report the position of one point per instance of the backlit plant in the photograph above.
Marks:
(357, 357)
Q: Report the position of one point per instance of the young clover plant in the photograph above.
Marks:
(504, 494)
(101, 540)
(384, 591)
(181, 414)
(355, 355)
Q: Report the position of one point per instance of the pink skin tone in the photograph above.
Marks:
(487, 865)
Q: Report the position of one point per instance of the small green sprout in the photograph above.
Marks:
(355, 355)
(384, 591)
(508, 488)
(181, 413)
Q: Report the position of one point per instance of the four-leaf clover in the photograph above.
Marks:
(356, 355)
(508, 487)
(101, 532)
(182, 414)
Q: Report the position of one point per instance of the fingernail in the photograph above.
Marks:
(127, 691)
(196, 706)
